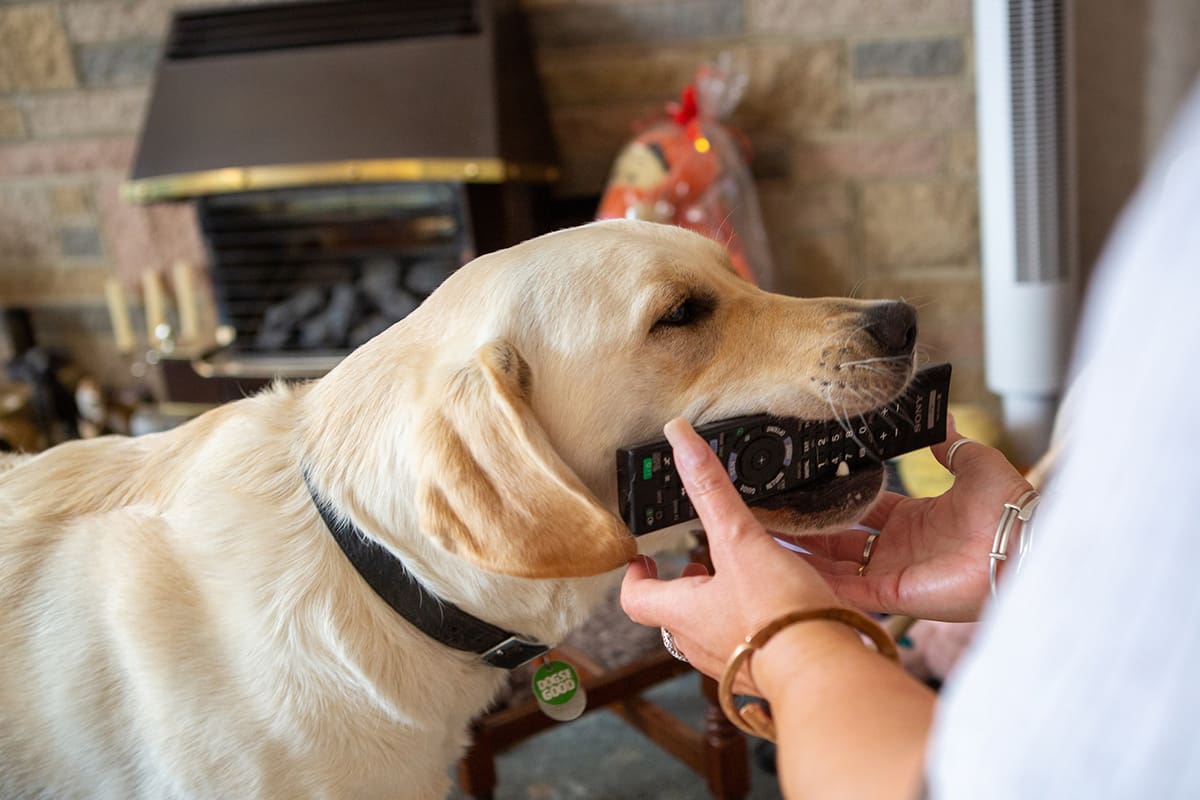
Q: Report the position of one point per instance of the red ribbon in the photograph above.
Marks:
(686, 111)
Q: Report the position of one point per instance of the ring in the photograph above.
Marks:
(953, 449)
(866, 556)
(669, 643)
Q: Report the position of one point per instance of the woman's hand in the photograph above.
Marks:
(756, 579)
(931, 557)
(832, 699)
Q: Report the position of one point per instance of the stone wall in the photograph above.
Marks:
(860, 113)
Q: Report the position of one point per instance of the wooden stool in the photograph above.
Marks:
(718, 753)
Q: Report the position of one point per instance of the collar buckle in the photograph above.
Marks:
(513, 652)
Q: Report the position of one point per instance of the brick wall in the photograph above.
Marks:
(861, 114)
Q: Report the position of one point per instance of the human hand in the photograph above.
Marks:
(931, 557)
(755, 578)
(936, 647)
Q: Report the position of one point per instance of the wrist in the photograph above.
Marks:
(815, 651)
(798, 651)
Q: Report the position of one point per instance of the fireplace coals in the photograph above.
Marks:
(327, 268)
(313, 317)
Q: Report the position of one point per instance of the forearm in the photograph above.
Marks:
(850, 723)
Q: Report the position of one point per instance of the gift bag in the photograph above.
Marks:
(690, 169)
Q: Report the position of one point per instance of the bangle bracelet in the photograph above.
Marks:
(754, 719)
(1021, 510)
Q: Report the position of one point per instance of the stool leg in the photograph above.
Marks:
(726, 756)
(477, 767)
(725, 753)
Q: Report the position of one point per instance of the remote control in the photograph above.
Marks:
(766, 455)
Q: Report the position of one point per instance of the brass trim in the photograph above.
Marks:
(296, 366)
(176, 408)
(391, 170)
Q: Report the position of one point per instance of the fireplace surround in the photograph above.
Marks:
(344, 157)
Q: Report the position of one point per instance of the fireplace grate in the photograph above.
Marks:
(323, 269)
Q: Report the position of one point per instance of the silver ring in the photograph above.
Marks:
(669, 643)
(953, 449)
(866, 556)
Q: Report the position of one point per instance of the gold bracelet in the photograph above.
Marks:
(753, 718)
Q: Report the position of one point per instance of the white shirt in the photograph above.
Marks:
(1084, 681)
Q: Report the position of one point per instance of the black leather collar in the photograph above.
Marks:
(436, 618)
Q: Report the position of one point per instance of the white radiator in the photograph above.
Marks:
(1027, 209)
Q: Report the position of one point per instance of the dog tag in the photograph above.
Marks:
(559, 693)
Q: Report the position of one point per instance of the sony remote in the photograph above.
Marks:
(767, 455)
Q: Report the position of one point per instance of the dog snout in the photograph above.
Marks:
(894, 325)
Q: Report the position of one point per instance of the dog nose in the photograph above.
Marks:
(894, 325)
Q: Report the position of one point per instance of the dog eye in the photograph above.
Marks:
(684, 313)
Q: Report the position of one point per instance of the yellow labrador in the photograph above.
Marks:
(180, 614)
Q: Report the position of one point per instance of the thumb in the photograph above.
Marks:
(963, 456)
(647, 600)
(727, 520)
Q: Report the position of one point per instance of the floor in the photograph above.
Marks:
(599, 757)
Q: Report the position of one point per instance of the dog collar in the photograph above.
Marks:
(436, 618)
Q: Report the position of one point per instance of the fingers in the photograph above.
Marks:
(866, 595)
(643, 596)
(941, 449)
(879, 512)
(828, 567)
(964, 457)
(847, 545)
(649, 601)
(643, 567)
(959, 454)
(725, 516)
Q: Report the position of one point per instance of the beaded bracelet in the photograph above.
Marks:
(753, 718)
(1022, 511)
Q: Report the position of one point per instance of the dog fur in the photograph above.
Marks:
(176, 620)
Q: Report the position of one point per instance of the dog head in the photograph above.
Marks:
(510, 389)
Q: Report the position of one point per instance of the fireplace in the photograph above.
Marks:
(344, 158)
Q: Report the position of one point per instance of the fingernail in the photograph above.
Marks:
(690, 449)
(648, 563)
(950, 426)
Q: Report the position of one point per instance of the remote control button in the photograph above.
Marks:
(837, 450)
(806, 469)
(647, 468)
(761, 458)
(821, 450)
(786, 439)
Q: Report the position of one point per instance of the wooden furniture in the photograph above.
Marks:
(718, 753)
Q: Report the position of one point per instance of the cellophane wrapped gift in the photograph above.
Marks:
(691, 169)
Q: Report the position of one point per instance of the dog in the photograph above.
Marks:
(180, 614)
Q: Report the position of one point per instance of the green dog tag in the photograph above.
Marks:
(559, 693)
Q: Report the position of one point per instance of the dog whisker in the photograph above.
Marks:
(876, 360)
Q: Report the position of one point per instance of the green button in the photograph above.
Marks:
(647, 468)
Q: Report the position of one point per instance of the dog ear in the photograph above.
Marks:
(493, 490)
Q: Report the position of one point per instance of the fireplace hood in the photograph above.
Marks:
(342, 91)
